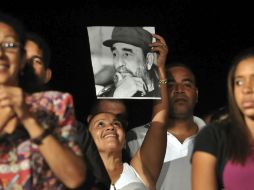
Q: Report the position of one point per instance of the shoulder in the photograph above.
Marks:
(200, 122)
(215, 129)
(142, 128)
(211, 138)
(50, 96)
(137, 131)
(51, 101)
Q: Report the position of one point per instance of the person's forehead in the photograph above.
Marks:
(245, 67)
(6, 31)
(122, 46)
(179, 71)
(33, 47)
(103, 116)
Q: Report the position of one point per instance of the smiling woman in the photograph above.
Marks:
(107, 130)
(32, 143)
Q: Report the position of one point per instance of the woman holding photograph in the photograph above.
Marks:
(108, 133)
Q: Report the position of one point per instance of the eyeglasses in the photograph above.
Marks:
(11, 47)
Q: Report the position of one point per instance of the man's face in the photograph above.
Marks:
(129, 60)
(34, 57)
(183, 92)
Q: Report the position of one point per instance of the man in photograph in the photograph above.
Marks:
(134, 64)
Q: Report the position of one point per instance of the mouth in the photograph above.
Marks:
(4, 67)
(180, 100)
(109, 136)
(248, 104)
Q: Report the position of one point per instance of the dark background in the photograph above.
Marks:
(206, 35)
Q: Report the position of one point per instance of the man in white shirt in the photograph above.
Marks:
(182, 128)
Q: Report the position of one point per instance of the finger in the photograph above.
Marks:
(5, 103)
(159, 38)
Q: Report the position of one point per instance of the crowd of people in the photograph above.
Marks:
(44, 147)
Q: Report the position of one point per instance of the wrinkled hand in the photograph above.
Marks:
(128, 87)
(161, 48)
(13, 100)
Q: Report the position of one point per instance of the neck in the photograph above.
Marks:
(182, 128)
(250, 125)
(113, 164)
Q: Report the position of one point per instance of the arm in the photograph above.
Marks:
(203, 171)
(67, 166)
(8, 121)
(144, 161)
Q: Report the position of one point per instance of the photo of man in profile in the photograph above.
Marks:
(134, 72)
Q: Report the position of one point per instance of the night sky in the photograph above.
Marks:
(204, 35)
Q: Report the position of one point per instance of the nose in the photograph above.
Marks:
(178, 88)
(248, 87)
(119, 62)
(2, 51)
(110, 127)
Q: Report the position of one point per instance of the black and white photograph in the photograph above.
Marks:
(123, 65)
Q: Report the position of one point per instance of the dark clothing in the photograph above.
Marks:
(212, 139)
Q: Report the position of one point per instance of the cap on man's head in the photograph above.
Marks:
(136, 36)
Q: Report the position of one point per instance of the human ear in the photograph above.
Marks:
(48, 75)
(197, 95)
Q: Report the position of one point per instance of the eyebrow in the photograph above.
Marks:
(170, 79)
(124, 49)
(188, 80)
(36, 56)
(10, 37)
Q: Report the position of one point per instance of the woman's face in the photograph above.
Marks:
(10, 55)
(244, 87)
(107, 132)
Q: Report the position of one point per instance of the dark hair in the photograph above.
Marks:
(238, 141)
(17, 26)
(42, 44)
(123, 117)
(220, 115)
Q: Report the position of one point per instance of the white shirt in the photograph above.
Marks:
(176, 170)
(129, 178)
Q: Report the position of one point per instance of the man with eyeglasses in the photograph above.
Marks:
(38, 59)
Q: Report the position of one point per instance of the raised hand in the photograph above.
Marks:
(12, 99)
(161, 48)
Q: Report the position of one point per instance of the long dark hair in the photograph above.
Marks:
(238, 141)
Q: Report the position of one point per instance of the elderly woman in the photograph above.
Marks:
(37, 132)
(223, 155)
(107, 130)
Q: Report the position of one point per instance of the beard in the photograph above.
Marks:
(180, 111)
